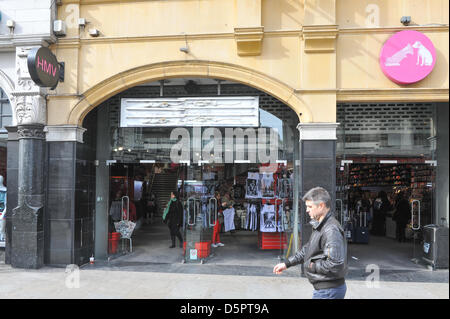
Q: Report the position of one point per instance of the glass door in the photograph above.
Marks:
(121, 207)
(422, 205)
(286, 208)
(201, 212)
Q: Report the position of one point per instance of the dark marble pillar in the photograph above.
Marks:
(317, 166)
(13, 175)
(27, 239)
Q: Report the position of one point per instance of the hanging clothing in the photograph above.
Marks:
(115, 211)
(280, 221)
(205, 214)
(253, 186)
(268, 219)
(238, 191)
(285, 188)
(267, 185)
(252, 217)
(228, 217)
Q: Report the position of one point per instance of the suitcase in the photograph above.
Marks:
(349, 231)
(361, 231)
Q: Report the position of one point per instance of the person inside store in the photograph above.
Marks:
(381, 206)
(117, 212)
(401, 216)
(325, 254)
(215, 242)
(367, 206)
(173, 217)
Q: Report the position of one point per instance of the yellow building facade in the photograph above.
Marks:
(317, 59)
(308, 54)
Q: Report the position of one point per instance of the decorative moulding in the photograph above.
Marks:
(317, 131)
(64, 133)
(320, 38)
(249, 40)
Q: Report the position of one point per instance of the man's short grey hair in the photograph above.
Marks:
(318, 195)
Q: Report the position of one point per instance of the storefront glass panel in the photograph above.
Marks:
(386, 150)
(206, 161)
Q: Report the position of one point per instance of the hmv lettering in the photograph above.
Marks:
(46, 67)
(43, 67)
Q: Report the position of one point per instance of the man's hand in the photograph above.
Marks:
(278, 269)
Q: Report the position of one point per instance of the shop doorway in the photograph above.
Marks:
(236, 214)
(383, 207)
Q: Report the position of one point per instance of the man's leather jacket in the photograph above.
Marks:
(325, 255)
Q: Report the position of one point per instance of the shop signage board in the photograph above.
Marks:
(407, 57)
(43, 67)
(190, 112)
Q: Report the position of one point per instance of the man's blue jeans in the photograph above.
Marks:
(332, 293)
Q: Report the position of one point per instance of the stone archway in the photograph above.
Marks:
(178, 69)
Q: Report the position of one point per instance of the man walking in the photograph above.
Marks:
(325, 255)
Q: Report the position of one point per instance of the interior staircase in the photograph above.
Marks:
(163, 184)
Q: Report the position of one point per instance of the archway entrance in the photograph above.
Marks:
(245, 150)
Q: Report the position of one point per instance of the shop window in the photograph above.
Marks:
(5, 120)
(5, 112)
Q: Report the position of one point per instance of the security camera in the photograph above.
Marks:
(94, 33)
(10, 24)
(405, 20)
(184, 49)
(59, 27)
(82, 22)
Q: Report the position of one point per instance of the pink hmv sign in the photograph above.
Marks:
(407, 57)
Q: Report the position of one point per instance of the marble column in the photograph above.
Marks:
(27, 227)
(317, 165)
(12, 173)
(27, 240)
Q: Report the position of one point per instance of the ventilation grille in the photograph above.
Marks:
(385, 118)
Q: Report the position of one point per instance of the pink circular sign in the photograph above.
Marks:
(407, 57)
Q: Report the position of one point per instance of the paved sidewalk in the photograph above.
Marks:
(106, 283)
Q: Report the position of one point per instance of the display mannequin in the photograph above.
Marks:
(2, 209)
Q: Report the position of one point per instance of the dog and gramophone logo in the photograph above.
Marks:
(408, 57)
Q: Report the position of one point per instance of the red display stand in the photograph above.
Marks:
(203, 249)
(272, 240)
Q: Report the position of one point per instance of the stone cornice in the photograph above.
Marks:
(388, 30)
(320, 38)
(76, 42)
(9, 43)
(317, 131)
(393, 95)
(249, 40)
(64, 133)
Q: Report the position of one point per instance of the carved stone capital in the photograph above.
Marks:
(27, 98)
(31, 131)
(30, 109)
